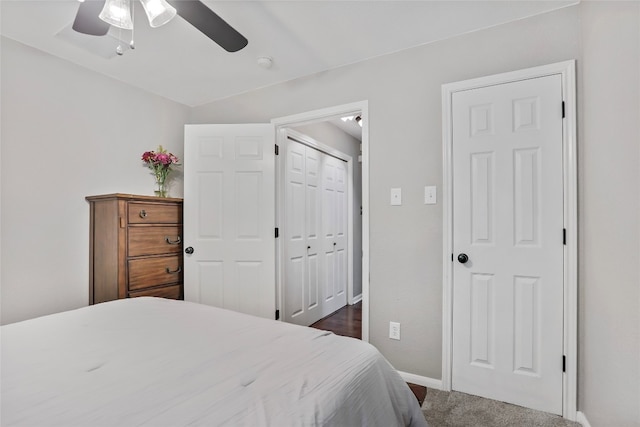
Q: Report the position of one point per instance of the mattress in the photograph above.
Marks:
(159, 362)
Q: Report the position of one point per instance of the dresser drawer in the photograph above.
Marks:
(172, 292)
(154, 240)
(154, 213)
(148, 272)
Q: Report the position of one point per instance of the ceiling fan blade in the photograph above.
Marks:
(210, 24)
(87, 21)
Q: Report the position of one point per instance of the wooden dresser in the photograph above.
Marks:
(135, 247)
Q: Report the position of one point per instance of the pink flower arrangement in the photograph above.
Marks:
(160, 158)
(160, 163)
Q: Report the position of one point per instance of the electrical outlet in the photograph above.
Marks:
(430, 195)
(394, 330)
(396, 196)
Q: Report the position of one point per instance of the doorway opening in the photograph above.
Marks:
(314, 129)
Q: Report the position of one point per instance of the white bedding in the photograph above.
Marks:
(158, 362)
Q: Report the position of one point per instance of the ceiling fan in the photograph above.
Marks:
(94, 17)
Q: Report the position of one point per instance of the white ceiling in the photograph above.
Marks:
(303, 37)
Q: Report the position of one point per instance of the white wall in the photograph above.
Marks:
(66, 133)
(609, 209)
(404, 94)
(334, 137)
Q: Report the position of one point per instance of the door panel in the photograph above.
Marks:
(341, 234)
(229, 217)
(482, 328)
(328, 231)
(527, 176)
(303, 274)
(295, 271)
(312, 232)
(482, 188)
(334, 208)
(508, 219)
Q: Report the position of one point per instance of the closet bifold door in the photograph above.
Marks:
(334, 234)
(315, 234)
(301, 232)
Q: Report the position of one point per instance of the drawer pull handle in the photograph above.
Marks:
(172, 242)
(169, 271)
(143, 213)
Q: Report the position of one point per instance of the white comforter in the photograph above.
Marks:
(157, 362)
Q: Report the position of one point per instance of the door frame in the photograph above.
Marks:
(281, 123)
(567, 71)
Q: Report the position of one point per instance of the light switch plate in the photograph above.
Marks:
(430, 195)
(396, 196)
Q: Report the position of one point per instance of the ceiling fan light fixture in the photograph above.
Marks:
(159, 12)
(95, 18)
(117, 13)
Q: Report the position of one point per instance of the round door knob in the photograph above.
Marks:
(463, 258)
(188, 250)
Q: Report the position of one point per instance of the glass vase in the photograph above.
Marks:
(161, 189)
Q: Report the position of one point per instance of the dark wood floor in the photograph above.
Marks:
(348, 322)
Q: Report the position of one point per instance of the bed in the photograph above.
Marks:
(158, 362)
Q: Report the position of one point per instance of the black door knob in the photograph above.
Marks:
(188, 250)
(463, 258)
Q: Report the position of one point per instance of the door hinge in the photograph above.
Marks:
(564, 363)
(563, 109)
(278, 148)
(277, 314)
(451, 257)
(277, 232)
(564, 236)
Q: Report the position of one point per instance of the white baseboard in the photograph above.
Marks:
(356, 299)
(420, 380)
(582, 419)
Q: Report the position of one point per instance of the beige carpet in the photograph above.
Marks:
(449, 409)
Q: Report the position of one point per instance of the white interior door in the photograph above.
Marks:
(508, 221)
(302, 301)
(229, 217)
(334, 238)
